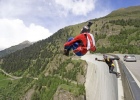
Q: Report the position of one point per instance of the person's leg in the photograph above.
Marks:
(80, 38)
(68, 48)
(73, 46)
(111, 70)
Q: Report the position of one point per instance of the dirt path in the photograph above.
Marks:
(15, 77)
(11, 76)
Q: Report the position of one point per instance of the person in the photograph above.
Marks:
(81, 43)
(109, 62)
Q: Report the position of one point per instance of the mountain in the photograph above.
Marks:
(15, 48)
(58, 75)
(130, 11)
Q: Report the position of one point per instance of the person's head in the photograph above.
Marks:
(104, 56)
(86, 28)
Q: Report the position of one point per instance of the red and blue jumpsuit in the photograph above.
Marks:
(81, 44)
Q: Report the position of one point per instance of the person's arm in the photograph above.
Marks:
(114, 58)
(99, 60)
(80, 49)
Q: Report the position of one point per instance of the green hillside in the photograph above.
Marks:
(14, 48)
(119, 32)
(45, 61)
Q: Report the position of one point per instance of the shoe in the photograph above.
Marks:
(66, 52)
(118, 75)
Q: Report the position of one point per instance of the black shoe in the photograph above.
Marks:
(118, 75)
(110, 71)
(66, 52)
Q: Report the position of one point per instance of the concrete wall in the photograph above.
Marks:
(100, 84)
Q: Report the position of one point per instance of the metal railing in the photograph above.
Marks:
(134, 88)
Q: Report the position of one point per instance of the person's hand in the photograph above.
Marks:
(96, 59)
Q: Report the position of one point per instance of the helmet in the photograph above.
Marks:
(105, 56)
(86, 28)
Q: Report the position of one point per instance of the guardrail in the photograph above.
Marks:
(126, 87)
(134, 89)
(131, 89)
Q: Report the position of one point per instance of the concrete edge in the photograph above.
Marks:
(120, 86)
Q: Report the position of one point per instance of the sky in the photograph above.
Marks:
(35, 20)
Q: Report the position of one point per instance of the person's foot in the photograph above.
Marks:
(110, 71)
(118, 75)
(66, 52)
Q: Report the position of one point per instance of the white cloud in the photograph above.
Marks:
(14, 8)
(13, 32)
(42, 8)
(25, 19)
(77, 7)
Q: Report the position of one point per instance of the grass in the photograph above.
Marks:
(71, 88)
(3, 80)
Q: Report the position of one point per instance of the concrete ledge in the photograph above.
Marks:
(100, 84)
(120, 85)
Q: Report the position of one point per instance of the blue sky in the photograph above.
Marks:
(124, 3)
(35, 20)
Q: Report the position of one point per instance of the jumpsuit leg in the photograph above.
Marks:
(111, 68)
